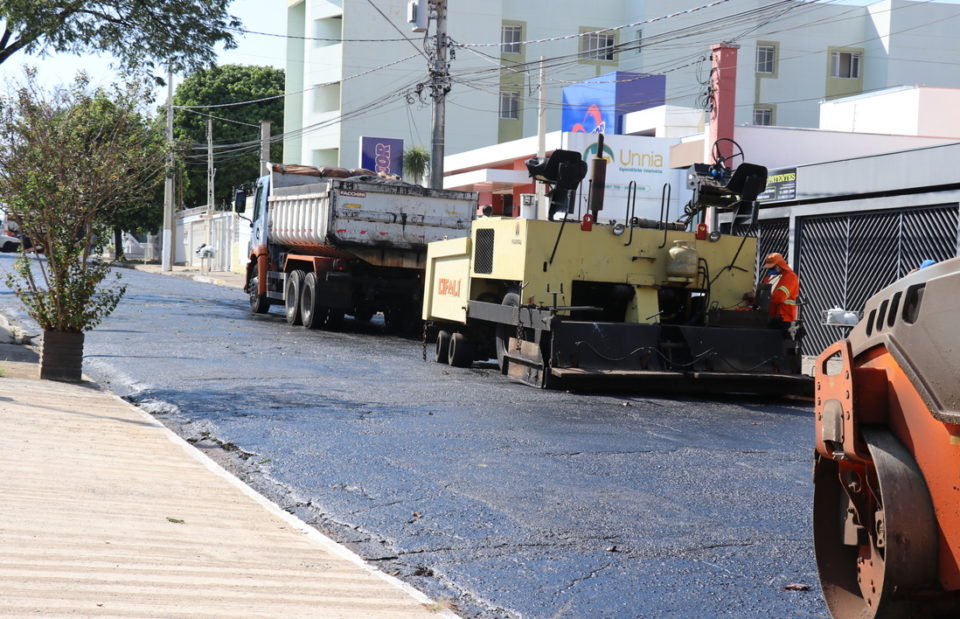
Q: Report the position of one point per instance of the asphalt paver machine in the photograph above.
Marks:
(571, 301)
(887, 462)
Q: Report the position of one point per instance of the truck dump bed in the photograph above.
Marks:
(364, 212)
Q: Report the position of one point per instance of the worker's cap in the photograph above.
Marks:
(773, 260)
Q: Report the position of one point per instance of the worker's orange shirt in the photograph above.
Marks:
(783, 297)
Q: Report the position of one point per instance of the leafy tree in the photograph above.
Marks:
(416, 160)
(236, 130)
(71, 161)
(140, 33)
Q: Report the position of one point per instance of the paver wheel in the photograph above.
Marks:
(460, 353)
(443, 347)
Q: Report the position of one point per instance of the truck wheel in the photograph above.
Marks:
(291, 296)
(334, 320)
(504, 332)
(312, 314)
(443, 347)
(460, 351)
(259, 303)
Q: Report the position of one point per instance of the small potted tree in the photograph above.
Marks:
(416, 160)
(69, 160)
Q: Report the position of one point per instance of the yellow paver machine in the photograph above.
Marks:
(569, 302)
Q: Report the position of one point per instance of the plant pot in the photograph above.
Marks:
(61, 356)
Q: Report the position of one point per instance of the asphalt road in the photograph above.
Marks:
(507, 500)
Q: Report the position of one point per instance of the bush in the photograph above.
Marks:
(70, 161)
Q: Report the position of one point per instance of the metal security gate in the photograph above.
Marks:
(773, 235)
(842, 260)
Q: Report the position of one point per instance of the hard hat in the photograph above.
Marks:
(773, 260)
(926, 263)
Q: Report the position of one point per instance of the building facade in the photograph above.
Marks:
(356, 72)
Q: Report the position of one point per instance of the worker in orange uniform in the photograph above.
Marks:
(784, 288)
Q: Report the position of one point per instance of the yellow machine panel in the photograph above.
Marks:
(529, 253)
(447, 280)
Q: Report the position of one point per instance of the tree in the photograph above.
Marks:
(416, 160)
(70, 161)
(236, 129)
(140, 33)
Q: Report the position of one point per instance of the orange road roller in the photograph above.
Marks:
(886, 503)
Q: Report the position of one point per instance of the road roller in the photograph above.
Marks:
(886, 504)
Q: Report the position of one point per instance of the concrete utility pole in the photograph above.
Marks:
(543, 210)
(210, 174)
(265, 147)
(168, 252)
(439, 87)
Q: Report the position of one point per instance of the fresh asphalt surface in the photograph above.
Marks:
(507, 500)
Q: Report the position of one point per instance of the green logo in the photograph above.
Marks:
(591, 151)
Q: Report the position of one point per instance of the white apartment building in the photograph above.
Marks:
(356, 75)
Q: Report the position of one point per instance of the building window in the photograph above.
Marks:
(845, 65)
(598, 46)
(510, 105)
(639, 41)
(766, 59)
(762, 116)
(510, 37)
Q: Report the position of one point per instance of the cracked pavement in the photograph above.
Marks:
(507, 500)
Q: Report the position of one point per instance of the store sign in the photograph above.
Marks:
(638, 159)
(382, 155)
(781, 186)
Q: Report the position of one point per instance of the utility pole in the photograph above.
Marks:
(264, 147)
(439, 87)
(204, 261)
(543, 211)
(168, 252)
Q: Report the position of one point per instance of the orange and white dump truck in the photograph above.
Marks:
(325, 243)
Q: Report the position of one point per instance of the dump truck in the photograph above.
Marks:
(326, 242)
(886, 501)
(656, 304)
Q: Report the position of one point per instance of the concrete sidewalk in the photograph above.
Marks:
(220, 278)
(108, 513)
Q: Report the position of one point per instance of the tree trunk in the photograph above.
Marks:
(61, 356)
(117, 243)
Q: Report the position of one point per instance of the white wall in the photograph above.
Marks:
(918, 34)
(777, 147)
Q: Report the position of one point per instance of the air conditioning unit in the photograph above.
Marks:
(418, 15)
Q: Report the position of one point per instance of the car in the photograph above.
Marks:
(8, 242)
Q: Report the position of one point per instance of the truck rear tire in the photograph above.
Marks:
(259, 303)
(312, 314)
(291, 296)
(460, 352)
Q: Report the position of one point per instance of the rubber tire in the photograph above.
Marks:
(505, 332)
(9, 247)
(396, 320)
(312, 314)
(259, 303)
(334, 320)
(460, 351)
(291, 296)
(443, 347)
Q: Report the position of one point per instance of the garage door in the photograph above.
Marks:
(842, 260)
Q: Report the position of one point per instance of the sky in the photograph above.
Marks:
(259, 15)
